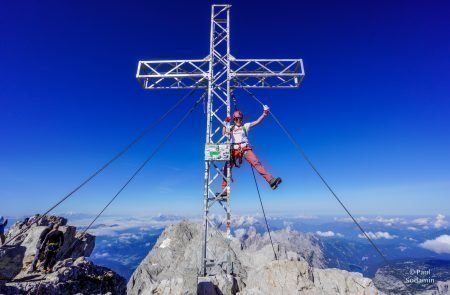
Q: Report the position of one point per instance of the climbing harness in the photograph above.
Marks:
(238, 149)
(52, 247)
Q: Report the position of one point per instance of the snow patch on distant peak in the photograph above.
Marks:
(165, 243)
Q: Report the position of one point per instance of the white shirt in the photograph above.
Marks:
(238, 135)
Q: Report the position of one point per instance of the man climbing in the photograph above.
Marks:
(40, 247)
(34, 218)
(3, 223)
(240, 148)
(52, 243)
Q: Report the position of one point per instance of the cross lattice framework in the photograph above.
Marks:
(218, 73)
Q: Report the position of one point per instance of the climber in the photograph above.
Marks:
(3, 223)
(24, 222)
(240, 148)
(33, 219)
(52, 243)
(40, 247)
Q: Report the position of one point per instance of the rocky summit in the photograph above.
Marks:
(408, 276)
(72, 274)
(245, 265)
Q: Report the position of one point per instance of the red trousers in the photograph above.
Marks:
(250, 156)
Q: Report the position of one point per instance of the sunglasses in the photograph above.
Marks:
(235, 119)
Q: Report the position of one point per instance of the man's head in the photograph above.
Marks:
(238, 117)
(51, 224)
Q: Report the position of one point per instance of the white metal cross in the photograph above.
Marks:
(219, 73)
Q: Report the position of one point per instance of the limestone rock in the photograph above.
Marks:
(19, 227)
(11, 261)
(73, 275)
(171, 266)
(69, 277)
(288, 244)
(297, 277)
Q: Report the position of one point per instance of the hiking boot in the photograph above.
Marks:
(274, 182)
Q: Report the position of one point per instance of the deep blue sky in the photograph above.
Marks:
(372, 113)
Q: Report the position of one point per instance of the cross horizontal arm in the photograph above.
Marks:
(266, 73)
(173, 74)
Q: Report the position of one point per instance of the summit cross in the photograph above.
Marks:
(218, 73)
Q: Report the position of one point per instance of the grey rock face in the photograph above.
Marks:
(288, 244)
(83, 246)
(69, 277)
(72, 275)
(171, 266)
(11, 261)
(298, 277)
(18, 227)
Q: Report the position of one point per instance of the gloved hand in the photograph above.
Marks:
(266, 109)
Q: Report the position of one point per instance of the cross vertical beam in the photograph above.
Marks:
(218, 107)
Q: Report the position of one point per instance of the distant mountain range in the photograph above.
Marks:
(122, 243)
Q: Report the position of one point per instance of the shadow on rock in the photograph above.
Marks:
(11, 258)
(208, 288)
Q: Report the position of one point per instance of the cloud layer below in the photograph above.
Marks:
(439, 245)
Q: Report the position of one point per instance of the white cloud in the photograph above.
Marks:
(302, 216)
(244, 220)
(439, 245)
(113, 226)
(388, 221)
(412, 228)
(440, 221)
(348, 219)
(328, 234)
(421, 221)
(410, 239)
(236, 220)
(101, 255)
(378, 235)
(402, 248)
(379, 219)
(325, 234)
(128, 238)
